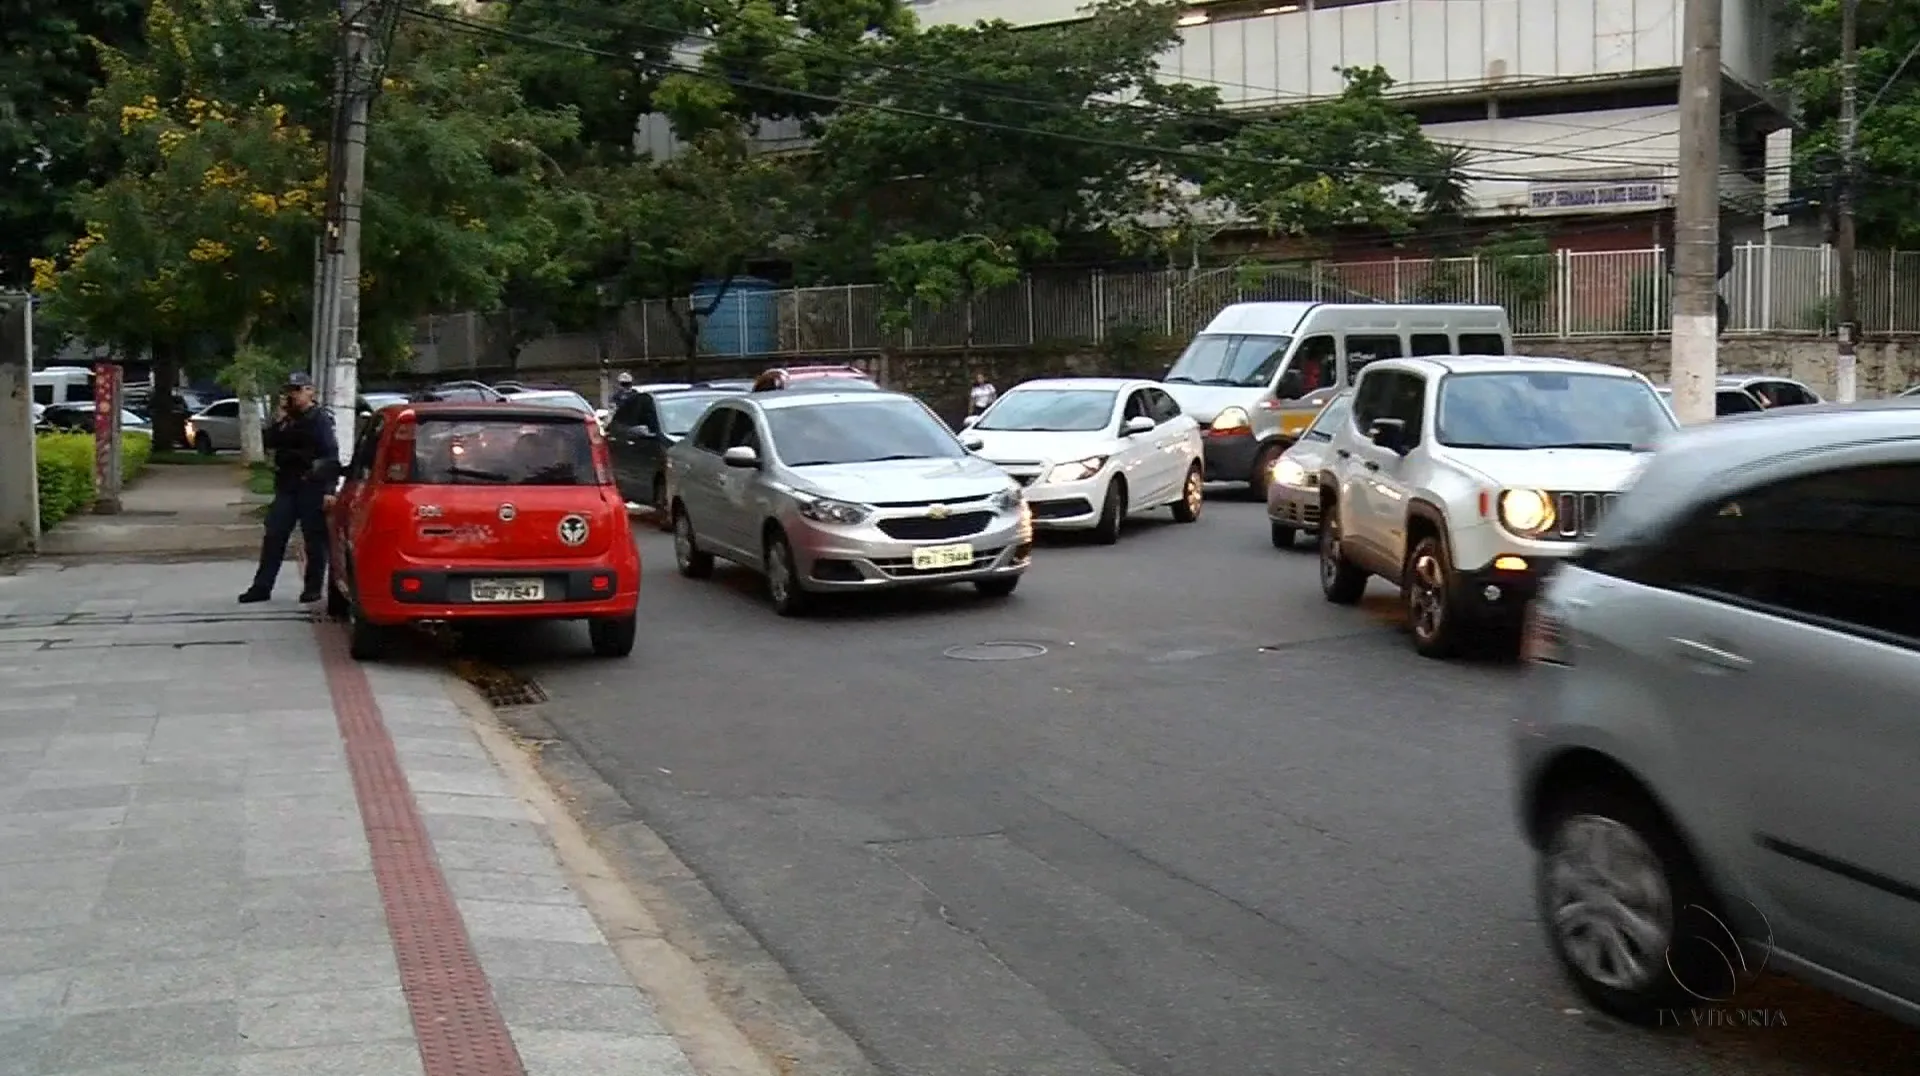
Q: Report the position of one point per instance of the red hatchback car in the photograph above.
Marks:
(463, 512)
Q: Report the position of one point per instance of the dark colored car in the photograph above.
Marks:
(459, 392)
(642, 430)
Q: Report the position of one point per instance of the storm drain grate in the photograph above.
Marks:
(995, 651)
(501, 687)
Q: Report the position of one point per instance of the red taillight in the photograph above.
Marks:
(400, 454)
(603, 582)
(1545, 638)
(411, 586)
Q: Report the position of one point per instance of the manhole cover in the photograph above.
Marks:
(995, 651)
(501, 687)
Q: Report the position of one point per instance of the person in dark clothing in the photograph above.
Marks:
(625, 392)
(306, 463)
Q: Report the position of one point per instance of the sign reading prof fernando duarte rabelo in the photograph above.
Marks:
(1599, 194)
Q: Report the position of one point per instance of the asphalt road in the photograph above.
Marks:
(1220, 827)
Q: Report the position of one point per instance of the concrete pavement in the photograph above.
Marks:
(226, 850)
(171, 509)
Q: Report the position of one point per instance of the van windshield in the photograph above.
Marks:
(503, 452)
(1238, 361)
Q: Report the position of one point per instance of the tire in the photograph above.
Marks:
(1113, 513)
(612, 637)
(1192, 497)
(1262, 467)
(1432, 613)
(339, 606)
(686, 549)
(789, 598)
(1282, 535)
(365, 641)
(1340, 582)
(1688, 956)
(658, 503)
(998, 587)
(203, 444)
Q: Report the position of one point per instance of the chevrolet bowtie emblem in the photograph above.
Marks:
(939, 511)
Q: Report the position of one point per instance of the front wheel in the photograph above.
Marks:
(1192, 496)
(686, 551)
(1340, 582)
(783, 580)
(203, 444)
(1429, 598)
(612, 637)
(1113, 512)
(1282, 535)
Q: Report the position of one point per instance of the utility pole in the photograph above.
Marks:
(1845, 372)
(337, 300)
(1696, 213)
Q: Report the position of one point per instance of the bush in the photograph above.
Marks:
(66, 470)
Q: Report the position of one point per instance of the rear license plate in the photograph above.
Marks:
(942, 556)
(509, 590)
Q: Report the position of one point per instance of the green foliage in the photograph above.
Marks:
(64, 462)
(936, 272)
(1887, 210)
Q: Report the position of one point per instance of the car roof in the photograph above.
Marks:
(1738, 380)
(780, 399)
(487, 410)
(1105, 383)
(1503, 364)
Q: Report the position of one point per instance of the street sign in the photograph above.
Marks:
(1779, 177)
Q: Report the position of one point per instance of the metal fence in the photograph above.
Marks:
(1771, 289)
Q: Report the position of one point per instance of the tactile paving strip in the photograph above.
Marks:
(459, 1028)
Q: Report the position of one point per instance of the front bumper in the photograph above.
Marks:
(1294, 506)
(1229, 457)
(863, 557)
(1502, 590)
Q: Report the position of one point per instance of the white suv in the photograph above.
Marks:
(1464, 480)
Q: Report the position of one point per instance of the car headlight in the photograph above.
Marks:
(1287, 472)
(828, 510)
(1526, 512)
(187, 429)
(1006, 500)
(1233, 418)
(1076, 470)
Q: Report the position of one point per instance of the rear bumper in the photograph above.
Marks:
(411, 595)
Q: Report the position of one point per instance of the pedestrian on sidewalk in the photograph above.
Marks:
(306, 466)
(982, 395)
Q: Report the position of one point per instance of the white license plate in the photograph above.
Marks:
(509, 590)
(942, 556)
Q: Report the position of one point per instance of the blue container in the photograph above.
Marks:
(744, 323)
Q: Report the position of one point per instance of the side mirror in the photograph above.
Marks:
(1289, 386)
(1389, 433)
(969, 421)
(741, 456)
(1136, 426)
(973, 442)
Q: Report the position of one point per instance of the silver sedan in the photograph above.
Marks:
(842, 491)
(1293, 489)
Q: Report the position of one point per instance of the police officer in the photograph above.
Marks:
(622, 394)
(306, 463)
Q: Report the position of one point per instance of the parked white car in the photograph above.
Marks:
(1293, 490)
(1464, 481)
(217, 427)
(1092, 451)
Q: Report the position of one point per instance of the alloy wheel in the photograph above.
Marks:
(682, 540)
(1329, 549)
(1609, 903)
(779, 573)
(1193, 493)
(1427, 594)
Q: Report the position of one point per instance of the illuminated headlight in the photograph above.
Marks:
(1526, 512)
(828, 510)
(1286, 472)
(1233, 418)
(1077, 470)
(1006, 500)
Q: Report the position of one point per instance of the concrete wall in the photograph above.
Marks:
(1887, 366)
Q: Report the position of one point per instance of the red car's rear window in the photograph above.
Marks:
(503, 452)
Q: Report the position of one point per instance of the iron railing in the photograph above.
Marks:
(1771, 289)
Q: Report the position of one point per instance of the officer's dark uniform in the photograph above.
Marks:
(306, 463)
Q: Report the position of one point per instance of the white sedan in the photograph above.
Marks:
(1093, 450)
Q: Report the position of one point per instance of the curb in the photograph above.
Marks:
(98, 538)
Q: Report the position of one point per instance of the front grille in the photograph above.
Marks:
(1025, 479)
(1025, 472)
(923, 529)
(1578, 515)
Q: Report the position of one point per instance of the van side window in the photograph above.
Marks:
(1482, 344)
(43, 395)
(1312, 368)
(1362, 350)
(1431, 344)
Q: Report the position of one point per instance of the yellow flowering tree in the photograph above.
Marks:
(206, 232)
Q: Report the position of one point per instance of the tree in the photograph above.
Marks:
(49, 69)
(1889, 142)
(1357, 160)
(934, 273)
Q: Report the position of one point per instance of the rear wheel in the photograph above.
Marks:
(658, 502)
(203, 443)
(998, 587)
(1192, 496)
(1282, 535)
(783, 580)
(686, 551)
(1113, 512)
(612, 637)
(339, 607)
(366, 641)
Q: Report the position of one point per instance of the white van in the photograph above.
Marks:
(1255, 376)
(62, 384)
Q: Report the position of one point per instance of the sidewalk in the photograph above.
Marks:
(225, 850)
(170, 509)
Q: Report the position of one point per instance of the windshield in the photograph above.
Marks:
(1242, 361)
(1331, 415)
(1549, 410)
(1050, 410)
(678, 413)
(859, 431)
(512, 452)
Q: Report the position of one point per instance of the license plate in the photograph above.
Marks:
(508, 590)
(942, 556)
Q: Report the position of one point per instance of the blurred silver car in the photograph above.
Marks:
(1715, 762)
(823, 491)
(1293, 489)
(217, 427)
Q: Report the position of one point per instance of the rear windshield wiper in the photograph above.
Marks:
(484, 476)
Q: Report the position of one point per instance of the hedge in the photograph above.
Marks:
(66, 470)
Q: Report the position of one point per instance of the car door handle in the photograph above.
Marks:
(1708, 654)
(1371, 466)
(1344, 454)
